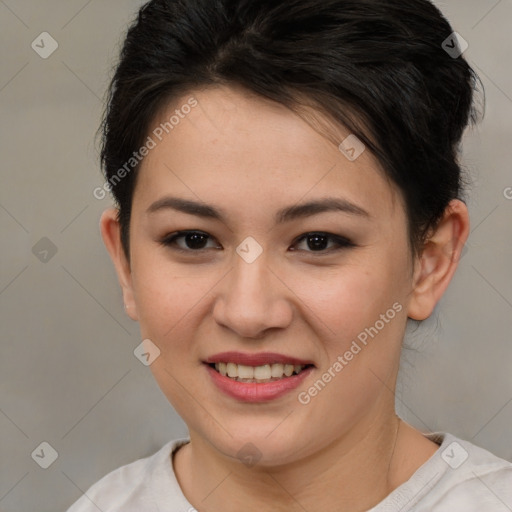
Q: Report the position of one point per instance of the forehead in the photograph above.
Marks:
(224, 145)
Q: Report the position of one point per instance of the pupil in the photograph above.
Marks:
(196, 240)
(317, 242)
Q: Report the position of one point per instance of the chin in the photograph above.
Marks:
(262, 443)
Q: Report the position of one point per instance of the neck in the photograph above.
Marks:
(353, 473)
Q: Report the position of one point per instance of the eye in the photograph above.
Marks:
(319, 242)
(192, 241)
(196, 241)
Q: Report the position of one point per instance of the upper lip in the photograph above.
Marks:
(255, 359)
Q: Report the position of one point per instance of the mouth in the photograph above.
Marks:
(258, 374)
(258, 377)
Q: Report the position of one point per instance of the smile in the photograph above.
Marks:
(257, 374)
(257, 377)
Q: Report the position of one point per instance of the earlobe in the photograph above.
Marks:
(438, 261)
(111, 234)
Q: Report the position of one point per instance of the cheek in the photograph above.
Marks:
(166, 296)
(352, 297)
(362, 315)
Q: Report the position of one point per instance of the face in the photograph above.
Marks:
(263, 277)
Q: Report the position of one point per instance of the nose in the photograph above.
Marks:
(252, 300)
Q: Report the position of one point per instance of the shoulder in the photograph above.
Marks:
(459, 476)
(473, 479)
(133, 486)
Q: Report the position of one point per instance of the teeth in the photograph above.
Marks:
(245, 372)
(232, 370)
(264, 373)
(277, 370)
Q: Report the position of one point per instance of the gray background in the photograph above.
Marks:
(68, 375)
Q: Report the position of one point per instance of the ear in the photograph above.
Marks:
(436, 265)
(111, 234)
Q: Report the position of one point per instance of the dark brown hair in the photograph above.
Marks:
(377, 67)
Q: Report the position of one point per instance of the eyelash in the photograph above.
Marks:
(342, 242)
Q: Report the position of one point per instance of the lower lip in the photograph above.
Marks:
(254, 392)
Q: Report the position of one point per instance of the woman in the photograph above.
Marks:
(288, 196)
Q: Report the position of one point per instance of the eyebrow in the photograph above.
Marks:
(329, 204)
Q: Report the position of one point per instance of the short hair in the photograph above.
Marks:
(376, 67)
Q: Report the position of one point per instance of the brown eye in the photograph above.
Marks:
(192, 241)
(319, 242)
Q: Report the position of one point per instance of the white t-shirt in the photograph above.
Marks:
(459, 477)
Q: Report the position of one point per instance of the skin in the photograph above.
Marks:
(346, 449)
